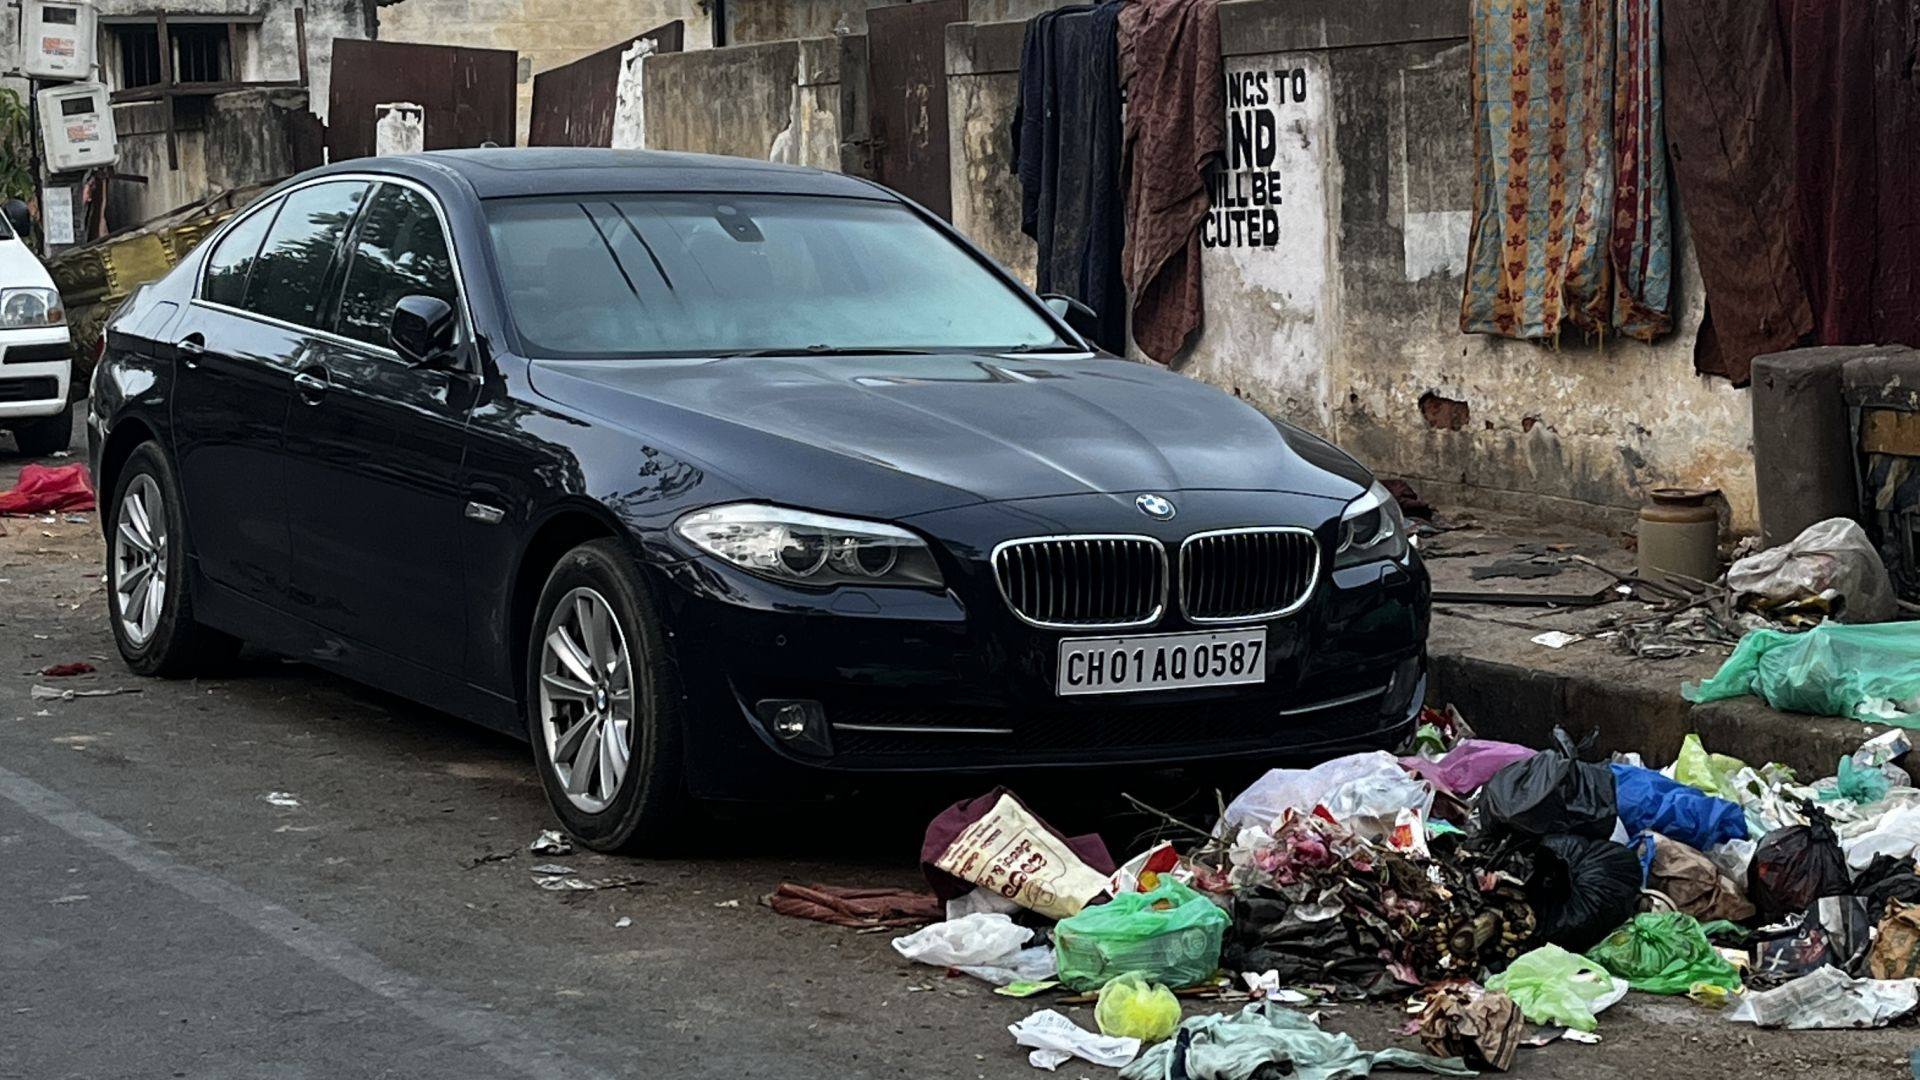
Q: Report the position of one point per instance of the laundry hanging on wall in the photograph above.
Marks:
(1066, 151)
(1570, 224)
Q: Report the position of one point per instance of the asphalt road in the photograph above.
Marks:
(160, 917)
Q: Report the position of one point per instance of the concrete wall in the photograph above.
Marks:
(753, 21)
(546, 33)
(1349, 323)
(781, 100)
(229, 141)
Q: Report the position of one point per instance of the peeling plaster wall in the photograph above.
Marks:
(1351, 319)
(752, 21)
(778, 101)
(546, 33)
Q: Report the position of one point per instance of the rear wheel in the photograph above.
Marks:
(47, 435)
(147, 597)
(602, 713)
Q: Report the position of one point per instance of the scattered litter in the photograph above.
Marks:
(1829, 558)
(622, 922)
(1265, 1039)
(53, 693)
(1867, 673)
(1463, 1021)
(283, 799)
(1554, 986)
(1555, 639)
(1794, 866)
(72, 898)
(551, 870)
(727, 904)
(1170, 935)
(76, 519)
(1133, 1008)
(551, 842)
(1265, 986)
(42, 489)
(574, 884)
(489, 857)
(857, 908)
(1829, 998)
(1055, 1040)
(1664, 953)
(1835, 930)
(77, 667)
(1025, 989)
(995, 842)
(986, 945)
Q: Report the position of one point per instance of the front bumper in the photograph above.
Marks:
(915, 682)
(36, 372)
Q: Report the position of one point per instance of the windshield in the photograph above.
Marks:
(627, 275)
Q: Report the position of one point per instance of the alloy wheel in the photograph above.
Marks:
(586, 699)
(140, 559)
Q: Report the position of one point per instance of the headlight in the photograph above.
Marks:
(30, 307)
(1371, 529)
(811, 549)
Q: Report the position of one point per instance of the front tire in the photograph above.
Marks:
(149, 604)
(47, 435)
(602, 711)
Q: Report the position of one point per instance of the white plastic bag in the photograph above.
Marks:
(985, 938)
(1055, 1039)
(1369, 805)
(977, 901)
(1281, 790)
(1897, 834)
(1731, 857)
(1832, 554)
(1028, 965)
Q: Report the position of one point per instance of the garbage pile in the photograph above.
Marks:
(1488, 885)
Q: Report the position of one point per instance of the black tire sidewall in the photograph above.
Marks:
(156, 653)
(651, 793)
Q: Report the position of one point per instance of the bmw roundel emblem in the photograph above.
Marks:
(1155, 507)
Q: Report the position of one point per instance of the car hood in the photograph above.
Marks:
(20, 268)
(978, 427)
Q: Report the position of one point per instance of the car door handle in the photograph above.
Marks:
(190, 349)
(311, 386)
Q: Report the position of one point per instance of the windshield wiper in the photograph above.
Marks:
(1043, 349)
(826, 350)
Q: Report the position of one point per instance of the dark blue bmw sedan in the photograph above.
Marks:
(708, 476)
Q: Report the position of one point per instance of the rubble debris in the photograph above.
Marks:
(43, 489)
(580, 885)
(489, 857)
(550, 870)
(1832, 558)
(855, 907)
(1133, 1008)
(61, 671)
(1055, 1040)
(1829, 998)
(282, 799)
(1265, 1039)
(995, 842)
(1664, 953)
(1480, 1027)
(54, 693)
(623, 922)
(1171, 935)
(551, 842)
(1556, 639)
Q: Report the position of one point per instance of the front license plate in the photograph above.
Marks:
(1162, 662)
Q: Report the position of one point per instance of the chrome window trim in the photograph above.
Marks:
(439, 211)
(1313, 579)
(1160, 607)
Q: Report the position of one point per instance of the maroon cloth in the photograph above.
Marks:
(77, 667)
(1176, 130)
(855, 907)
(951, 822)
(42, 490)
(1730, 143)
(1851, 74)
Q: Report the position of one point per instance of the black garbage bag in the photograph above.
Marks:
(1583, 889)
(1552, 793)
(1794, 866)
(1887, 878)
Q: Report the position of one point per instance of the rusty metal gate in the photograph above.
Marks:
(573, 104)
(907, 87)
(467, 95)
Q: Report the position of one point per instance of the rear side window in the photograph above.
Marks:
(399, 251)
(289, 280)
(232, 260)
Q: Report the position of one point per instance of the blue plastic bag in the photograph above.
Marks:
(1651, 802)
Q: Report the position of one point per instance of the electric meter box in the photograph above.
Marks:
(57, 39)
(76, 127)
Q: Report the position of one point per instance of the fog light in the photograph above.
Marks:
(801, 725)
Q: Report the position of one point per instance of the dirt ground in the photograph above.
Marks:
(160, 916)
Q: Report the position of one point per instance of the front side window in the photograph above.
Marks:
(289, 280)
(673, 274)
(232, 259)
(398, 251)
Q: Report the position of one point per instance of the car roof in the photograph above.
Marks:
(499, 172)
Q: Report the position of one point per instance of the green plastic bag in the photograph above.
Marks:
(1711, 773)
(1170, 935)
(1831, 670)
(1554, 986)
(1664, 952)
(1130, 1008)
(1862, 786)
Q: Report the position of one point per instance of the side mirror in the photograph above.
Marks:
(422, 331)
(19, 216)
(1082, 318)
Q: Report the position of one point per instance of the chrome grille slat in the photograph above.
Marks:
(1084, 582)
(1239, 575)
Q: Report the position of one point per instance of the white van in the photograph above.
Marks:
(36, 355)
